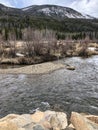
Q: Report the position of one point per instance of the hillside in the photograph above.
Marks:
(52, 11)
(52, 17)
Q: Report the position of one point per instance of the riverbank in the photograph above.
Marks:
(34, 69)
(21, 53)
(49, 120)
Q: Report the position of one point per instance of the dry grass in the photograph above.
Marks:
(25, 61)
(82, 50)
(95, 45)
(38, 53)
(9, 61)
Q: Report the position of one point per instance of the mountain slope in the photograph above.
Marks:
(9, 11)
(54, 11)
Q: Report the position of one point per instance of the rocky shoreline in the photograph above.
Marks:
(34, 69)
(49, 120)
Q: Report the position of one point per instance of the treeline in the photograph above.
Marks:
(77, 36)
(69, 28)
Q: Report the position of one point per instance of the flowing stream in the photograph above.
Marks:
(61, 90)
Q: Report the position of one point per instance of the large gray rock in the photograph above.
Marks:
(70, 68)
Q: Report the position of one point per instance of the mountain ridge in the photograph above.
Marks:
(53, 11)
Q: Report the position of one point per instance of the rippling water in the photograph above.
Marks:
(60, 90)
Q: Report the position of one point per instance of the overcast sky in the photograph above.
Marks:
(84, 6)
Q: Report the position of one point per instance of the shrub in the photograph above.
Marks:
(25, 61)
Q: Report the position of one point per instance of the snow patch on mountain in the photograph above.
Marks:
(27, 8)
(46, 11)
(87, 16)
(63, 12)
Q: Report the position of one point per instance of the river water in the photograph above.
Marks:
(61, 90)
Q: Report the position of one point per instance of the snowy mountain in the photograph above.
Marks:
(52, 11)
(55, 12)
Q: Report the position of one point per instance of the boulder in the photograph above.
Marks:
(38, 127)
(38, 121)
(29, 126)
(46, 124)
(7, 125)
(50, 119)
(15, 122)
(70, 127)
(57, 120)
(93, 118)
(21, 129)
(9, 117)
(82, 123)
(22, 120)
(70, 68)
(38, 116)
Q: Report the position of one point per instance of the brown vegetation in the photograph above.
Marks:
(41, 46)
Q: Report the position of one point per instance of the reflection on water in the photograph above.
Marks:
(62, 90)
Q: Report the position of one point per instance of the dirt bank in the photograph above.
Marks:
(34, 69)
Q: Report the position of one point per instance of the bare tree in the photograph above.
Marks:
(36, 41)
(11, 43)
(28, 42)
(1, 48)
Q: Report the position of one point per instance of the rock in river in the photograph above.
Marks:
(70, 68)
